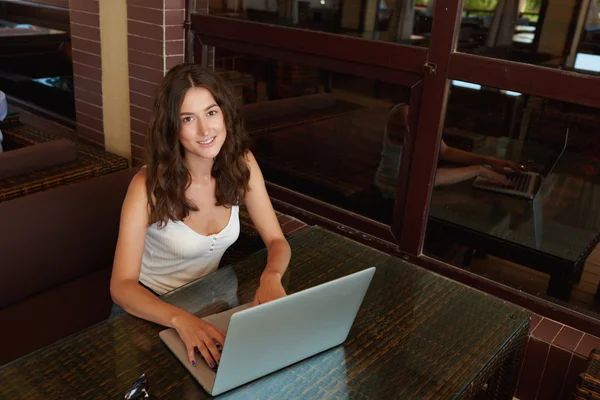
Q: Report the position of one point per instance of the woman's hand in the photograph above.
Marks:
(198, 334)
(504, 166)
(270, 288)
(493, 176)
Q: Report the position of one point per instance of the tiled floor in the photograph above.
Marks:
(555, 356)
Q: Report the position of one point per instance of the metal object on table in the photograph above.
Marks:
(139, 389)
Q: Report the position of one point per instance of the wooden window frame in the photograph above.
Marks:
(428, 72)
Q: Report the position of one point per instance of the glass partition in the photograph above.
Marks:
(548, 33)
(516, 193)
(332, 136)
(36, 66)
(398, 21)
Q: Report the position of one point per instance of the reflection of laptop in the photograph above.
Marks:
(587, 63)
(271, 336)
(524, 184)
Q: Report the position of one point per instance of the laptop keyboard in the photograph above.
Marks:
(520, 182)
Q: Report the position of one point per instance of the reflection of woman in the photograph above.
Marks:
(181, 211)
(391, 154)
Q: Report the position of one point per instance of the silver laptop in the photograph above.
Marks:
(525, 184)
(271, 336)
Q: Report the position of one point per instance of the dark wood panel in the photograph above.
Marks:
(376, 53)
(330, 64)
(538, 81)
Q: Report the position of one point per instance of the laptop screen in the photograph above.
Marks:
(587, 62)
(562, 150)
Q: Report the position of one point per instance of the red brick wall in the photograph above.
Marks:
(156, 43)
(87, 69)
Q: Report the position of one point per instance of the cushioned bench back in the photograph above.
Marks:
(55, 236)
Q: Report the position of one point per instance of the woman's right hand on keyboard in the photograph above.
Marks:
(493, 176)
(198, 334)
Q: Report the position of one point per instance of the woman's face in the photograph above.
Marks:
(203, 129)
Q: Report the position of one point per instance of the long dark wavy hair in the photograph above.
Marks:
(167, 176)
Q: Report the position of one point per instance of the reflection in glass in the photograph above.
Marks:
(538, 244)
(37, 66)
(548, 33)
(587, 62)
(400, 21)
(317, 132)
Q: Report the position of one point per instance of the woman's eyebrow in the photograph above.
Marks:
(206, 109)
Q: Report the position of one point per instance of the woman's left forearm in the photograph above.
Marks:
(463, 157)
(279, 254)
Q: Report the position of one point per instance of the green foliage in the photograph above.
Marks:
(480, 4)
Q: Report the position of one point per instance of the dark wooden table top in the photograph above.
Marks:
(417, 335)
(562, 222)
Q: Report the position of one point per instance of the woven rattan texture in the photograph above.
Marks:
(417, 335)
(90, 162)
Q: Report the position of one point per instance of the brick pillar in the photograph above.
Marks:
(87, 69)
(98, 42)
(156, 44)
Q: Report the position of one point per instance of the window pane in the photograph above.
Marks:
(320, 132)
(36, 66)
(532, 230)
(404, 22)
(549, 33)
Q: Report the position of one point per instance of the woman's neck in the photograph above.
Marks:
(200, 168)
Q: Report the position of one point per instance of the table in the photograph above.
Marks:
(554, 234)
(417, 335)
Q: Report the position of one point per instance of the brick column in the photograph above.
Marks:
(87, 69)
(156, 44)
(99, 49)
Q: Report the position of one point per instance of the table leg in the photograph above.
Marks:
(503, 383)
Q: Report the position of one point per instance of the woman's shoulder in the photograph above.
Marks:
(250, 160)
(137, 186)
(140, 177)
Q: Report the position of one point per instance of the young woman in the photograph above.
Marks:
(181, 210)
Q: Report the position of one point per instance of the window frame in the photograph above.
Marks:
(428, 71)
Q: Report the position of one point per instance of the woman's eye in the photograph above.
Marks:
(212, 112)
(187, 119)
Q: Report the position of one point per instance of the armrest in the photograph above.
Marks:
(31, 158)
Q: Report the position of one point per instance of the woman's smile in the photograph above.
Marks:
(208, 142)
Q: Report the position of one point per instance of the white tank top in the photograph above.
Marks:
(386, 176)
(175, 254)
